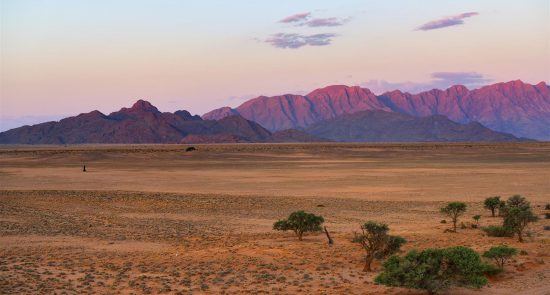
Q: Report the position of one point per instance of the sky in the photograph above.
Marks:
(64, 57)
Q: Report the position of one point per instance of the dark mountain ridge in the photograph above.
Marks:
(142, 123)
(382, 126)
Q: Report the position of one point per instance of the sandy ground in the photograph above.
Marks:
(155, 219)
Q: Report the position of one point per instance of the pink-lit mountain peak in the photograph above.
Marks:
(514, 107)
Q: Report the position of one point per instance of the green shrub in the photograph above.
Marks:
(435, 270)
(501, 208)
(492, 204)
(517, 201)
(454, 210)
(497, 231)
(500, 254)
(517, 219)
(377, 243)
(476, 218)
(300, 222)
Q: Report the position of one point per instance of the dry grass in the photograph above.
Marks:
(154, 219)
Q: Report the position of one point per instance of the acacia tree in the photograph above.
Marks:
(518, 218)
(500, 254)
(300, 222)
(492, 204)
(454, 210)
(517, 215)
(476, 218)
(517, 201)
(377, 243)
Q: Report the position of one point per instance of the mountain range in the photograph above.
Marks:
(144, 123)
(509, 111)
(514, 107)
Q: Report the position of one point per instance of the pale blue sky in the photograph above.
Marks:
(66, 57)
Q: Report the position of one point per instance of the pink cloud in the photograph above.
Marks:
(296, 17)
(446, 22)
(326, 22)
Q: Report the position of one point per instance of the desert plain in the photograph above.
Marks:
(151, 219)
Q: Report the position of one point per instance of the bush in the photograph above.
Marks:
(454, 210)
(501, 208)
(476, 218)
(300, 222)
(377, 243)
(492, 204)
(497, 231)
(547, 207)
(435, 270)
(547, 215)
(517, 201)
(517, 219)
(500, 254)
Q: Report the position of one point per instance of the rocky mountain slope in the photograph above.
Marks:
(142, 123)
(382, 126)
(513, 107)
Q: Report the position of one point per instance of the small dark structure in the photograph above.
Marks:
(190, 149)
(330, 241)
(84, 168)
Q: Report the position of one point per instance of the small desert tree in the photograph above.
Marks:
(492, 204)
(517, 215)
(454, 210)
(434, 270)
(518, 218)
(517, 201)
(500, 254)
(300, 222)
(476, 218)
(501, 208)
(377, 243)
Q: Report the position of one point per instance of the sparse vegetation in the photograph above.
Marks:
(435, 270)
(517, 201)
(376, 241)
(476, 218)
(517, 215)
(500, 254)
(454, 210)
(492, 204)
(300, 222)
(517, 219)
(109, 242)
(501, 208)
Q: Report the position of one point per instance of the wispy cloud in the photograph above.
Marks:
(470, 79)
(294, 41)
(326, 22)
(298, 17)
(446, 21)
(440, 80)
